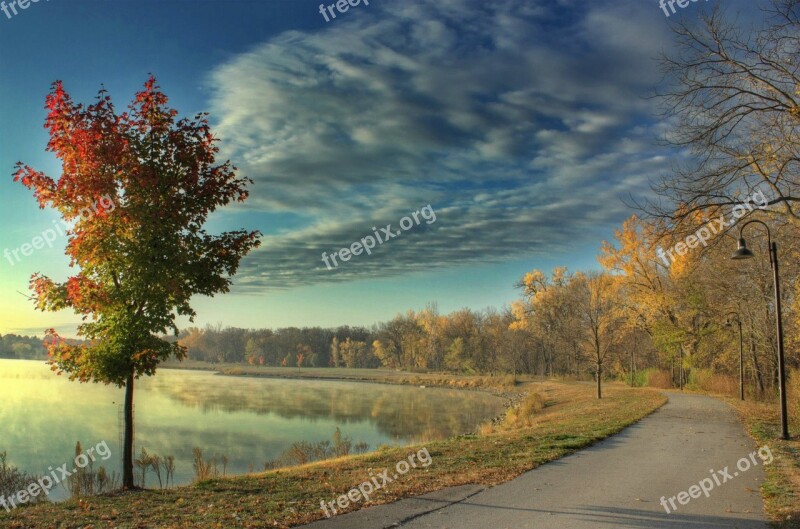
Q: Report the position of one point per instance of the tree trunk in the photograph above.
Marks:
(599, 380)
(672, 369)
(756, 366)
(577, 362)
(127, 450)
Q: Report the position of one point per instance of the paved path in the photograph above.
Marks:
(617, 483)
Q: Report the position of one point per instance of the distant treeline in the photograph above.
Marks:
(22, 347)
(465, 341)
(279, 347)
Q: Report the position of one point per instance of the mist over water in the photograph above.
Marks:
(249, 419)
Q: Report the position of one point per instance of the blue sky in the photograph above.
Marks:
(522, 123)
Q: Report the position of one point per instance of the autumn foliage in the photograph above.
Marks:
(136, 265)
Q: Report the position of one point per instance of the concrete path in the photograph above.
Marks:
(618, 483)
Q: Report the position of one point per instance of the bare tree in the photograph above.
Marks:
(734, 97)
(601, 316)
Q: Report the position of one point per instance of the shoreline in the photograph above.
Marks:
(380, 376)
(510, 398)
(290, 497)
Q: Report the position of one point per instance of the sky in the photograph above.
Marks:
(520, 126)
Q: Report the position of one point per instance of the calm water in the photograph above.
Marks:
(251, 420)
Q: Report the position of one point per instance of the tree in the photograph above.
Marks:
(354, 353)
(303, 352)
(289, 360)
(548, 313)
(22, 350)
(391, 337)
(430, 322)
(517, 336)
(735, 101)
(336, 357)
(456, 359)
(140, 261)
(254, 351)
(386, 357)
(600, 313)
(465, 344)
(194, 340)
(669, 300)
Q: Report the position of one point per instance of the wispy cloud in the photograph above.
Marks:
(521, 124)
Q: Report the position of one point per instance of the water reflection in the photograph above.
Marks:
(251, 420)
(400, 413)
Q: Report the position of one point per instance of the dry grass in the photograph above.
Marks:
(523, 415)
(458, 381)
(715, 383)
(781, 490)
(659, 379)
(385, 376)
(573, 419)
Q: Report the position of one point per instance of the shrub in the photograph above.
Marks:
(13, 480)
(487, 428)
(162, 467)
(303, 452)
(88, 482)
(653, 378)
(208, 469)
(522, 416)
(708, 380)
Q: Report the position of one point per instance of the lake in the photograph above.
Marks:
(250, 420)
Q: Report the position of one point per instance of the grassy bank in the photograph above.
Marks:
(571, 419)
(384, 376)
(781, 490)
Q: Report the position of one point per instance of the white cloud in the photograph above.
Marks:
(520, 126)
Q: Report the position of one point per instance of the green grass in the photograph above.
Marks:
(292, 496)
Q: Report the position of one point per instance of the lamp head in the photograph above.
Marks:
(742, 251)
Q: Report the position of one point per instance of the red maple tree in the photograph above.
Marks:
(138, 264)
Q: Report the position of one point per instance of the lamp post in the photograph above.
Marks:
(741, 352)
(742, 252)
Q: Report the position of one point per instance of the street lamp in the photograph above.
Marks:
(742, 252)
(741, 352)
